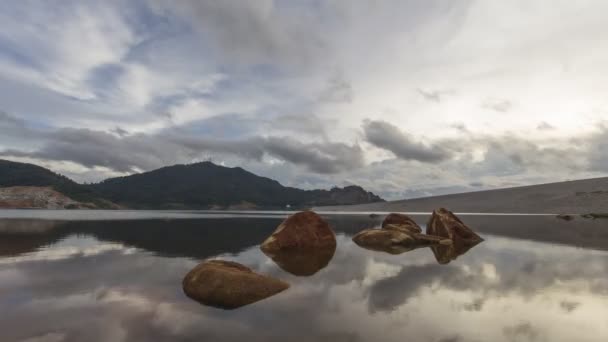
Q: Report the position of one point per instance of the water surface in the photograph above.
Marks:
(118, 278)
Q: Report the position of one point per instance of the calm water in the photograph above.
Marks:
(96, 278)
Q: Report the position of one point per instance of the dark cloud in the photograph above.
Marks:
(597, 145)
(387, 136)
(321, 158)
(138, 152)
(120, 132)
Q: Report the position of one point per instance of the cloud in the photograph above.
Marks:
(431, 95)
(545, 126)
(258, 33)
(496, 105)
(387, 136)
(338, 90)
(143, 152)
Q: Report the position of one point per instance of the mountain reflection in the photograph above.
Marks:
(124, 286)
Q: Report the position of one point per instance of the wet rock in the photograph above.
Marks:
(301, 231)
(229, 285)
(401, 222)
(303, 263)
(395, 241)
(445, 224)
(565, 217)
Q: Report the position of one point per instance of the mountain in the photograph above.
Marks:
(29, 183)
(571, 197)
(207, 186)
(195, 186)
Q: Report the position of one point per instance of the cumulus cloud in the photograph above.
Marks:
(281, 88)
(387, 136)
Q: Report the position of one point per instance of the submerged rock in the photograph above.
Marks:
(445, 224)
(229, 285)
(395, 241)
(401, 222)
(305, 262)
(301, 231)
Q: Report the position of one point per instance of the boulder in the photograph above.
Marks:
(401, 222)
(395, 241)
(301, 231)
(229, 285)
(303, 263)
(447, 225)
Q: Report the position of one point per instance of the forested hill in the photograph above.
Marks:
(30, 175)
(195, 186)
(206, 185)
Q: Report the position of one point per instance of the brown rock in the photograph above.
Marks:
(300, 231)
(229, 285)
(445, 224)
(305, 262)
(401, 222)
(394, 241)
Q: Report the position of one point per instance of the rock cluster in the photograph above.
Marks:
(304, 243)
(446, 235)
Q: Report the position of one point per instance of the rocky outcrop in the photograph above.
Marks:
(401, 222)
(395, 241)
(447, 225)
(36, 197)
(229, 285)
(301, 231)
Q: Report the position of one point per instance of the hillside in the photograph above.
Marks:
(13, 174)
(574, 197)
(207, 186)
(195, 186)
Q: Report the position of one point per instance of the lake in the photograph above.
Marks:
(116, 276)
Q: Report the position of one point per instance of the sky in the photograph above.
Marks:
(405, 98)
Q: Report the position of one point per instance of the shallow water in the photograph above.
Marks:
(118, 278)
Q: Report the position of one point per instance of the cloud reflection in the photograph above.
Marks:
(504, 290)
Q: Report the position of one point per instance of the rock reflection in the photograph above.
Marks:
(444, 254)
(303, 263)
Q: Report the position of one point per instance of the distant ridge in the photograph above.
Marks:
(195, 186)
(572, 197)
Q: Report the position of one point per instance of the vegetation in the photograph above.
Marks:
(195, 186)
(206, 185)
(22, 174)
